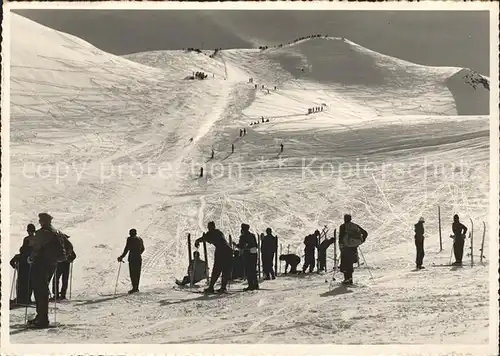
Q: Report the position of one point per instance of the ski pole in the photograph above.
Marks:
(13, 284)
(371, 276)
(56, 292)
(333, 275)
(193, 270)
(70, 278)
(118, 276)
(29, 298)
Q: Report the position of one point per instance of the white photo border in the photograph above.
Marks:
(235, 349)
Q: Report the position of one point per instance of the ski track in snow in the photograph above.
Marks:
(71, 101)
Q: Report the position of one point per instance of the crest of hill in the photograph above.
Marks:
(338, 61)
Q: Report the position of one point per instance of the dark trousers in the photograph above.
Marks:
(293, 268)
(419, 244)
(309, 261)
(348, 257)
(41, 274)
(222, 265)
(61, 271)
(458, 248)
(322, 260)
(134, 268)
(267, 264)
(24, 284)
(251, 269)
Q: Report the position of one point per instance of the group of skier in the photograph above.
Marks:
(45, 254)
(225, 259)
(459, 233)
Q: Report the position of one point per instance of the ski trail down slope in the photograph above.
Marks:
(103, 143)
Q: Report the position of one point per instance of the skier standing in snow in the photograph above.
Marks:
(222, 257)
(311, 244)
(20, 262)
(459, 231)
(281, 148)
(291, 260)
(351, 236)
(268, 249)
(419, 242)
(232, 148)
(323, 246)
(248, 245)
(63, 271)
(134, 248)
(47, 249)
(197, 270)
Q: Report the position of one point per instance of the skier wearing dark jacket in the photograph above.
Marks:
(134, 248)
(323, 246)
(268, 248)
(291, 260)
(459, 231)
(419, 242)
(44, 255)
(311, 243)
(350, 237)
(222, 257)
(20, 262)
(248, 245)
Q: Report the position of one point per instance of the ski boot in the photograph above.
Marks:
(209, 290)
(222, 291)
(347, 282)
(133, 290)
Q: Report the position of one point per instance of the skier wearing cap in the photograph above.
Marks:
(222, 258)
(351, 236)
(459, 231)
(20, 262)
(248, 245)
(44, 256)
(419, 242)
(134, 248)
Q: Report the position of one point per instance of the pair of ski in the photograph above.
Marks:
(18, 328)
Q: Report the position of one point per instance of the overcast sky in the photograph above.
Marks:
(449, 38)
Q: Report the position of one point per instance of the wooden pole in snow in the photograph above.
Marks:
(440, 237)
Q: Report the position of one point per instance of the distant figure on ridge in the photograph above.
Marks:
(201, 172)
(281, 148)
(232, 148)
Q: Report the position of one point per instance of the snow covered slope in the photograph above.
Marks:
(110, 138)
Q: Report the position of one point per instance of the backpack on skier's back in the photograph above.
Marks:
(63, 249)
(354, 236)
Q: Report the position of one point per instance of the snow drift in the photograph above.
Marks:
(103, 143)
